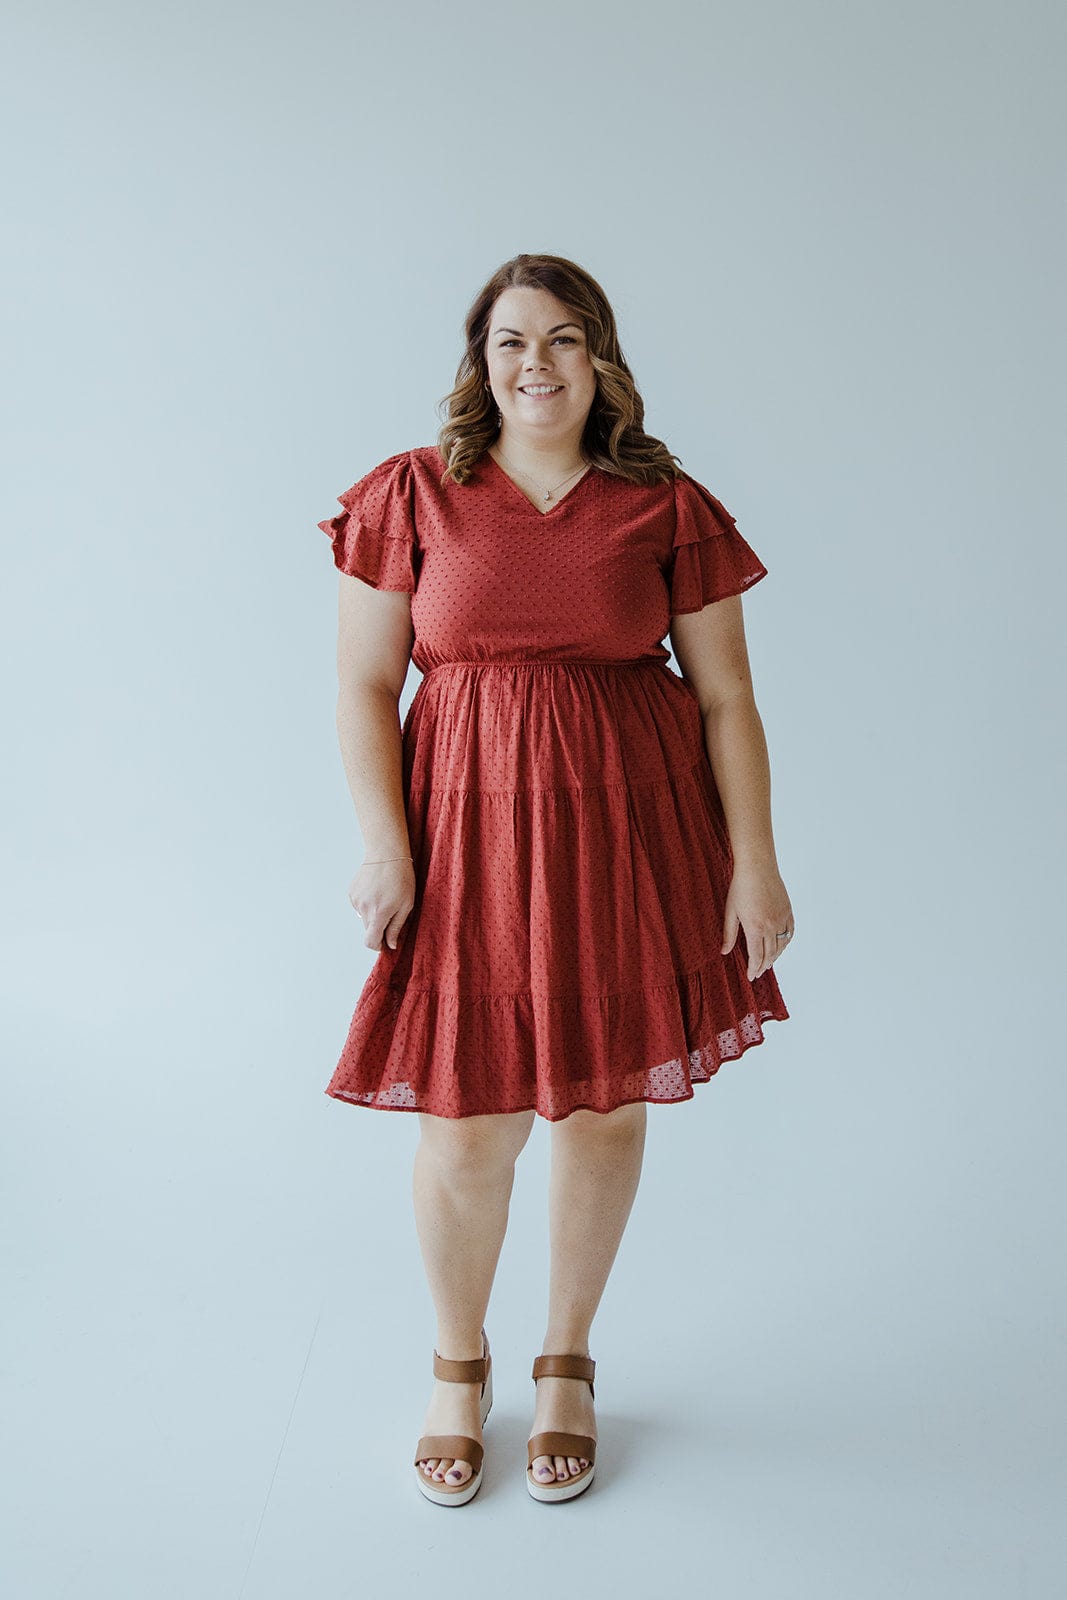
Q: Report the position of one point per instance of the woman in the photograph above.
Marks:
(570, 875)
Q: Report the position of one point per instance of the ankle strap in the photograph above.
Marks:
(460, 1371)
(476, 1371)
(566, 1366)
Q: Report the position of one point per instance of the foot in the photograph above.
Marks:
(564, 1405)
(453, 1408)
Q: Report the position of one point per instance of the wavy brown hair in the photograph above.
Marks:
(614, 438)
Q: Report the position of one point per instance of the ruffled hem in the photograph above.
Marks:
(711, 560)
(374, 536)
(650, 1100)
(381, 559)
(474, 1058)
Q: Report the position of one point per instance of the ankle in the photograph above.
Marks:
(565, 1344)
(461, 1348)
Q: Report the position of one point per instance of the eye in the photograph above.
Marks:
(561, 338)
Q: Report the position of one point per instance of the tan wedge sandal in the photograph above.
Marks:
(457, 1446)
(562, 1444)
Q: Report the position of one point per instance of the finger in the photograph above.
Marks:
(744, 949)
(729, 932)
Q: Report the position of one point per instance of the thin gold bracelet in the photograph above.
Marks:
(382, 859)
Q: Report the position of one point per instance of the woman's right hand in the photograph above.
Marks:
(383, 893)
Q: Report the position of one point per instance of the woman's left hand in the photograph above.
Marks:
(758, 903)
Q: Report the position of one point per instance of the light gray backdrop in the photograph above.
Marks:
(241, 243)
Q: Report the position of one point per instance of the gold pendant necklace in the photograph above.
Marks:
(548, 493)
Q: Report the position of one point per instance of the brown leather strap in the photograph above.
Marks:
(561, 1444)
(476, 1371)
(568, 1366)
(460, 1371)
(449, 1447)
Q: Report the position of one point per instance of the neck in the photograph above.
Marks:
(546, 459)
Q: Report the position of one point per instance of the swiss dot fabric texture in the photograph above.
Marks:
(571, 852)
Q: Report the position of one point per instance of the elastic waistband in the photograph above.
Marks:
(569, 661)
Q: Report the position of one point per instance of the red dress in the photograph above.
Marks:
(570, 848)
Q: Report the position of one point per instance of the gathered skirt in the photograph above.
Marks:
(571, 869)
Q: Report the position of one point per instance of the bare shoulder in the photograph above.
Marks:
(712, 652)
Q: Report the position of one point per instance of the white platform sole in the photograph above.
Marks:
(558, 1490)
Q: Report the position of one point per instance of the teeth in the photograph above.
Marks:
(542, 388)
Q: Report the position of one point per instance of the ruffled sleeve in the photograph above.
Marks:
(374, 537)
(710, 560)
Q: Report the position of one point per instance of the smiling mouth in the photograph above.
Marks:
(538, 390)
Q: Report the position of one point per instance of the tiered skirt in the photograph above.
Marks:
(571, 864)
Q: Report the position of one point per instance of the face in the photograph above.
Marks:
(536, 342)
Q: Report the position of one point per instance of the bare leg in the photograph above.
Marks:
(596, 1167)
(462, 1181)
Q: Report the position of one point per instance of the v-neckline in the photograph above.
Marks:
(527, 502)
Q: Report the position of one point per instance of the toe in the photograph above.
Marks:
(544, 1467)
(573, 1465)
(458, 1472)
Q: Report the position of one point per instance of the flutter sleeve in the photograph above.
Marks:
(374, 537)
(710, 560)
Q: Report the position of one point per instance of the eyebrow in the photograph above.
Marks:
(556, 329)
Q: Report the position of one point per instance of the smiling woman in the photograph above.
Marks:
(571, 881)
(544, 384)
(543, 320)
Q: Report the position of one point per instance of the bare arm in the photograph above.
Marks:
(374, 640)
(710, 648)
(368, 731)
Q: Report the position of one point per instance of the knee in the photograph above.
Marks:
(624, 1125)
(473, 1147)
